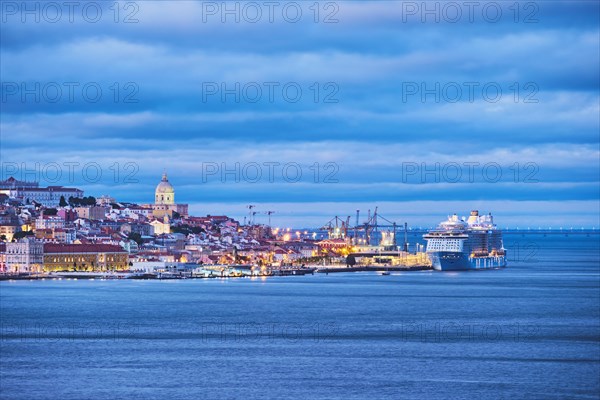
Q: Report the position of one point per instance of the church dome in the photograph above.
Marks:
(164, 186)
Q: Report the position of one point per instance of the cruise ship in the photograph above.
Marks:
(458, 245)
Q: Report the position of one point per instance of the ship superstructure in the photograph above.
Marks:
(459, 244)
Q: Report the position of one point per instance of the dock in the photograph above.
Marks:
(372, 268)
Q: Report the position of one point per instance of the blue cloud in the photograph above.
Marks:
(379, 87)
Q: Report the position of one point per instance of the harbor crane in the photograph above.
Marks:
(338, 228)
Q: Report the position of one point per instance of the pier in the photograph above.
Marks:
(373, 268)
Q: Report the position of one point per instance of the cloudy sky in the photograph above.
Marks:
(311, 109)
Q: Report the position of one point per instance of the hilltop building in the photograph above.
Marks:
(164, 200)
(28, 192)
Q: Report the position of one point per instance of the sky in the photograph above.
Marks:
(311, 109)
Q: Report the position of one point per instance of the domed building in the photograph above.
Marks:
(164, 200)
(164, 193)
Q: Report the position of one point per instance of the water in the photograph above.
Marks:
(529, 331)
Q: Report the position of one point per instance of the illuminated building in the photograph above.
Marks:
(9, 224)
(84, 257)
(24, 256)
(164, 200)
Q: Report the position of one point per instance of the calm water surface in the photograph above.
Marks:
(529, 331)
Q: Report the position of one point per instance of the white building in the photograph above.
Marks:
(161, 227)
(164, 200)
(49, 222)
(48, 196)
(24, 256)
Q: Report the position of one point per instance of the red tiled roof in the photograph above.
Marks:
(82, 248)
(52, 189)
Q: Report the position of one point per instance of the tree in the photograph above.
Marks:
(186, 229)
(350, 261)
(21, 235)
(3, 238)
(62, 202)
(136, 237)
(50, 211)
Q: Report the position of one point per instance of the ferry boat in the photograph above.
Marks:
(458, 245)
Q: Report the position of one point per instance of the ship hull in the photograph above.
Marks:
(457, 261)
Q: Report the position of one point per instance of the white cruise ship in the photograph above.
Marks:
(457, 245)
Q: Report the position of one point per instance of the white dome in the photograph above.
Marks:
(164, 186)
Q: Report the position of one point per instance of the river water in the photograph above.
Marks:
(531, 331)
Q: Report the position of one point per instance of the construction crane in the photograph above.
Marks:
(269, 213)
(250, 207)
(356, 227)
(346, 225)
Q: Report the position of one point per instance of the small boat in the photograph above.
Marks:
(385, 272)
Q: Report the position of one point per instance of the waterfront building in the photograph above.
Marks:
(2, 258)
(24, 256)
(333, 244)
(84, 257)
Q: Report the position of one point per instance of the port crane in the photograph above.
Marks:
(338, 227)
